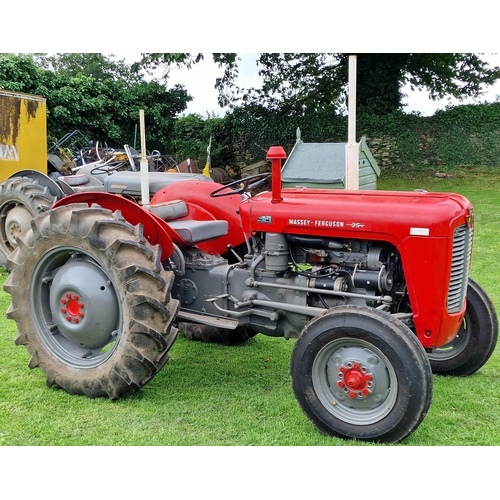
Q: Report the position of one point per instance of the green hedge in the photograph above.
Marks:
(467, 135)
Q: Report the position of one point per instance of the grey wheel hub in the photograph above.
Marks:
(358, 377)
(83, 304)
(354, 381)
(18, 220)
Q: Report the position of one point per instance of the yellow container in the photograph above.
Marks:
(23, 133)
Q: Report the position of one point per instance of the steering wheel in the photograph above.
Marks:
(246, 184)
(106, 169)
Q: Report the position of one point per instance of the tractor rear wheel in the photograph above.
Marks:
(360, 374)
(219, 175)
(475, 341)
(21, 199)
(91, 301)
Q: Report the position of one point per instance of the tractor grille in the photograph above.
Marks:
(462, 247)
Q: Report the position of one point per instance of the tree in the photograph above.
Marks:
(98, 66)
(97, 101)
(302, 82)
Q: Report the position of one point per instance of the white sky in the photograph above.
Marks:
(200, 80)
(263, 26)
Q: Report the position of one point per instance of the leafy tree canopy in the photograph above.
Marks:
(96, 95)
(98, 66)
(310, 82)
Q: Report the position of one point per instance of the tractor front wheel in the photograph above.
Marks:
(91, 301)
(474, 342)
(360, 374)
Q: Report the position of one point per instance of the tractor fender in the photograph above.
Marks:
(197, 194)
(43, 180)
(156, 230)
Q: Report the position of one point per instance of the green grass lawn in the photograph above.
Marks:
(237, 396)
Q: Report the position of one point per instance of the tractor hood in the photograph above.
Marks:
(384, 215)
(127, 182)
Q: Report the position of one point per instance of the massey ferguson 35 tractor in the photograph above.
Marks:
(373, 285)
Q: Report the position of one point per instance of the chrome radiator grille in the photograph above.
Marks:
(462, 248)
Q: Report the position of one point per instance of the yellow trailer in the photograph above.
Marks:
(25, 188)
(23, 133)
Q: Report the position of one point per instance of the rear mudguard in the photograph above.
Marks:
(156, 230)
(201, 206)
(197, 195)
(43, 180)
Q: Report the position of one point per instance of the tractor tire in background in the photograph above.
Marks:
(92, 301)
(21, 199)
(213, 335)
(219, 175)
(358, 373)
(475, 341)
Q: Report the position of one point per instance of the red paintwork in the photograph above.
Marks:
(197, 196)
(201, 206)
(382, 216)
(276, 154)
(372, 215)
(156, 231)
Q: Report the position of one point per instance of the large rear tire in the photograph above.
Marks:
(91, 301)
(475, 341)
(21, 199)
(360, 374)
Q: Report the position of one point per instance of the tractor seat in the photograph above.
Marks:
(196, 231)
(169, 209)
(78, 183)
(191, 231)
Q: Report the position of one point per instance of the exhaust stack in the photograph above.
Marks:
(276, 154)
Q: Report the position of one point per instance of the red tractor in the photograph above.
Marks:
(374, 286)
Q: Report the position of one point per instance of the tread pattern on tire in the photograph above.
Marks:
(395, 341)
(142, 284)
(483, 339)
(23, 190)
